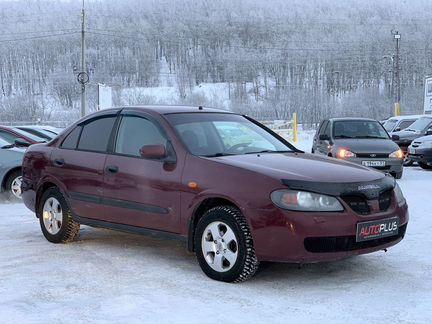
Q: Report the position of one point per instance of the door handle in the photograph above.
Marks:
(112, 168)
(59, 162)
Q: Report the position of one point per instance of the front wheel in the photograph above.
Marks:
(425, 166)
(224, 246)
(55, 217)
(407, 162)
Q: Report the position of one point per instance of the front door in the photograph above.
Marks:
(138, 191)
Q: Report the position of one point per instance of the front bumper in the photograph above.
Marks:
(392, 165)
(299, 237)
(420, 155)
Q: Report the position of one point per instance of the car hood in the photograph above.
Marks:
(367, 145)
(302, 166)
(424, 139)
(407, 135)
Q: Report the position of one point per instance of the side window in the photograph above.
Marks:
(327, 129)
(8, 137)
(135, 132)
(95, 135)
(322, 127)
(404, 124)
(71, 141)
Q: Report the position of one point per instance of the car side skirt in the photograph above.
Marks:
(129, 228)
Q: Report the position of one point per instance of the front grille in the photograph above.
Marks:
(360, 205)
(372, 155)
(347, 243)
(357, 203)
(385, 200)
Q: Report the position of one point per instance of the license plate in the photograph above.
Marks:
(376, 229)
(373, 163)
(411, 151)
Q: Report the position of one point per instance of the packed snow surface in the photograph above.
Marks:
(107, 276)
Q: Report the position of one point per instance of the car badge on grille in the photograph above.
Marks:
(368, 187)
(373, 155)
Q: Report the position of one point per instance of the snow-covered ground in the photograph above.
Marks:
(107, 276)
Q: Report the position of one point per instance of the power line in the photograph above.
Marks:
(36, 37)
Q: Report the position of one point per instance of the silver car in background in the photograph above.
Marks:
(10, 170)
(360, 140)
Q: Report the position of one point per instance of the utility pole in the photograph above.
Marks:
(397, 111)
(84, 76)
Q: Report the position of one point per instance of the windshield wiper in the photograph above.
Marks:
(269, 151)
(343, 136)
(218, 154)
(410, 130)
(371, 136)
(8, 146)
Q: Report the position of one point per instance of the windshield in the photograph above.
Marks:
(218, 134)
(390, 124)
(420, 124)
(359, 129)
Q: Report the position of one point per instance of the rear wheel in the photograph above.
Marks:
(224, 246)
(13, 185)
(425, 166)
(55, 217)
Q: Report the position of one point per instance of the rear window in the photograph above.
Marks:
(95, 135)
(71, 140)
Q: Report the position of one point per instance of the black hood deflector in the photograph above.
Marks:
(368, 189)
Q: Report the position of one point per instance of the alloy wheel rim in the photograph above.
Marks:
(16, 187)
(52, 215)
(219, 246)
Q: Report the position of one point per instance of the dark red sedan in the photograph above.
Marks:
(236, 191)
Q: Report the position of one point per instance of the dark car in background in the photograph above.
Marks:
(46, 132)
(420, 151)
(360, 140)
(237, 197)
(10, 169)
(19, 136)
(421, 127)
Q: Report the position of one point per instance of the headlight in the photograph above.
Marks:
(398, 154)
(304, 201)
(399, 195)
(343, 153)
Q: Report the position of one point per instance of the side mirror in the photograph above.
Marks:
(324, 137)
(20, 142)
(395, 138)
(429, 131)
(397, 129)
(154, 152)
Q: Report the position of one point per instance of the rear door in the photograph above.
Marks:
(78, 163)
(138, 191)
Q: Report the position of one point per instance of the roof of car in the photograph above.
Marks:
(406, 117)
(351, 119)
(168, 109)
